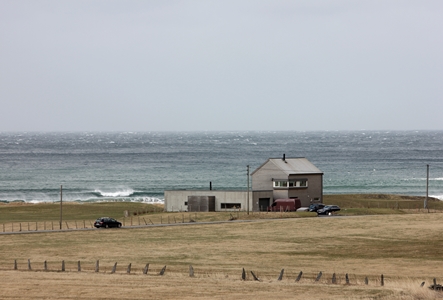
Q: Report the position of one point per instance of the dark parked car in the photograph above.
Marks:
(107, 222)
(328, 210)
(315, 206)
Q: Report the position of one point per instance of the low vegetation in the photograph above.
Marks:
(404, 246)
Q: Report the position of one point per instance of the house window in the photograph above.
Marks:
(186, 202)
(230, 205)
(280, 184)
(300, 183)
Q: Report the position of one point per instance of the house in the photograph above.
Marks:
(287, 178)
(277, 178)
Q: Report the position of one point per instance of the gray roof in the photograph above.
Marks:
(297, 165)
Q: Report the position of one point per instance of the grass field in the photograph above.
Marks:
(406, 247)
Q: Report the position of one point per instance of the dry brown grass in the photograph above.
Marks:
(407, 249)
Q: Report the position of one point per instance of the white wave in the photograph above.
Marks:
(149, 200)
(120, 193)
(439, 197)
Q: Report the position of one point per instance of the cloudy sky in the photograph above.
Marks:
(129, 65)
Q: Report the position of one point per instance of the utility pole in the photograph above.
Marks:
(61, 206)
(427, 186)
(247, 204)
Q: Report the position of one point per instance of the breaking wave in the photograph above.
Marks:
(96, 195)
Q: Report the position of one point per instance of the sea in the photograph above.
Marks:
(139, 166)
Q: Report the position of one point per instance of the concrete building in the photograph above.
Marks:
(277, 178)
(288, 178)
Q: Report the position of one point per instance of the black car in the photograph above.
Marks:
(315, 206)
(328, 210)
(107, 222)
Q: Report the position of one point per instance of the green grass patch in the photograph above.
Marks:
(21, 212)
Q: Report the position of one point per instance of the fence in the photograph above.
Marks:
(84, 224)
(319, 278)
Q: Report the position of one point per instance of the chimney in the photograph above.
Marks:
(210, 185)
(284, 157)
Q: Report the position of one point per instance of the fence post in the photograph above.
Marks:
(255, 277)
(97, 265)
(145, 270)
(382, 280)
(79, 268)
(63, 265)
(281, 275)
(299, 276)
(45, 266)
(162, 272)
(347, 278)
(114, 268)
(366, 280)
(334, 279)
(15, 264)
(29, 265)
(191, 271)
(129, 268)
(318, 276)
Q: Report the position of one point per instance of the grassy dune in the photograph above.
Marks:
(405, 247)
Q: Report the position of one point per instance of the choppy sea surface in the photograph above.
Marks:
(139, 166)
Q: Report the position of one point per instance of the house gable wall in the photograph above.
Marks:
(262, 179)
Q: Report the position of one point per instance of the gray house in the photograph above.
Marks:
(287, 178)
(277, 178)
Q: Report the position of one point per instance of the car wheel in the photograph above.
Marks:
(119, 225)
(106, 226)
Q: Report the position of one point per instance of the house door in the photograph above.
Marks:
(263, 203)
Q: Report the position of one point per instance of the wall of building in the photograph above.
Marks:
(177, 200)
(267, 198)
(314, 191)
(262, 178)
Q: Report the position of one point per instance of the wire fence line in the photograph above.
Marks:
(11, 227)
(147, 269)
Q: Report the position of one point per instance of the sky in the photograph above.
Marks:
(210, 65)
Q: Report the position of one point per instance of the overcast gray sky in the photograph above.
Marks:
(221, 65)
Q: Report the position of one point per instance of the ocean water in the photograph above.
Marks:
(139, 166)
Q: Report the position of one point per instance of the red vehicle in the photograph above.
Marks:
(285, 205)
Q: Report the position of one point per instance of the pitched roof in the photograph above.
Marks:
(297, 165)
